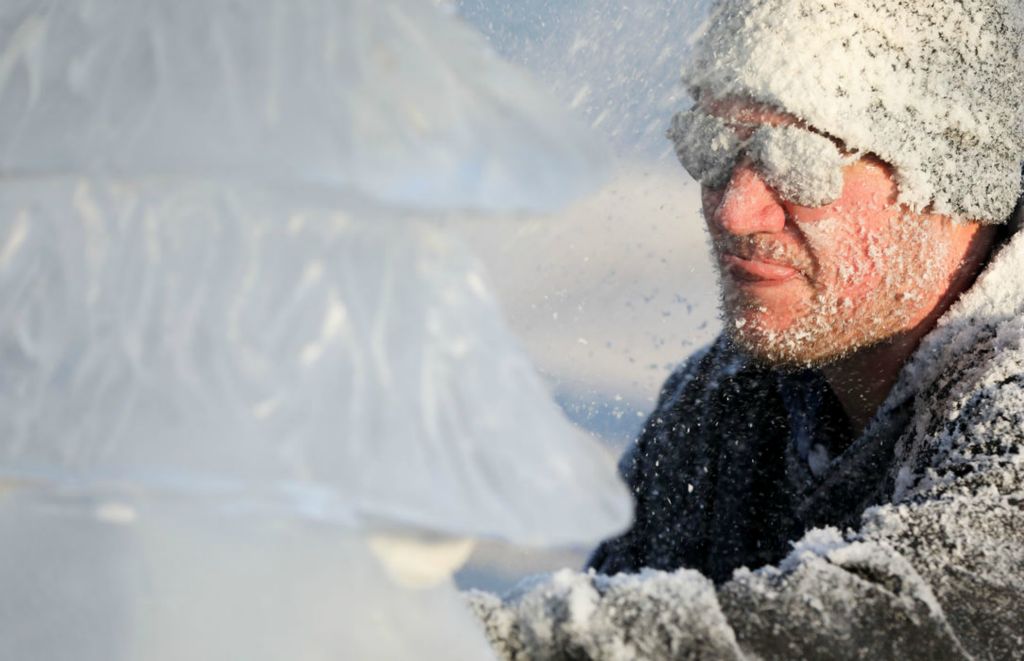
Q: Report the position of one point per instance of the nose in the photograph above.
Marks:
(747, 205)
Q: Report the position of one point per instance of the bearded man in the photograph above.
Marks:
(841, 474)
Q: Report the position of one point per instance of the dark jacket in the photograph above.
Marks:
(905, 542)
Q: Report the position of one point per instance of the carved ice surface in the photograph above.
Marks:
(95, 579)
(391, 98)
(252, 405)
(214, 342)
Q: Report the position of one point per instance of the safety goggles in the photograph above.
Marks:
(800, 165)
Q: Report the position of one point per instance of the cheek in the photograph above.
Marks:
(850, 256)
(856, 238)
(891, 256)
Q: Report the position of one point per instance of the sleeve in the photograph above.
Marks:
(572, 615)
(938, 575)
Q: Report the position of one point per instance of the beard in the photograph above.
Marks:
(825, 322)
(818, 336)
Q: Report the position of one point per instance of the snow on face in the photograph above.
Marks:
(807, 285)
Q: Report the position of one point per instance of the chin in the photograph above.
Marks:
(789, 341)
(805, 331)
(785, 352)
(809, 342)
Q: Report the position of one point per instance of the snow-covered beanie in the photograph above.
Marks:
(935, 88)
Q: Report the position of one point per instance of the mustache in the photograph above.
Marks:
(761, 249)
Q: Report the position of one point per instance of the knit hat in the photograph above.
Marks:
(934, 88)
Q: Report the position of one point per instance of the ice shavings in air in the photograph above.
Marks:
(941, 116)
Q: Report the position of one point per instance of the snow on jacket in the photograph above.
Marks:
(910, 540)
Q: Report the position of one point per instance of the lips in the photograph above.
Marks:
(758, 270)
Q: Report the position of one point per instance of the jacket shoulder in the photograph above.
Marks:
(666, 451)
(682, 396)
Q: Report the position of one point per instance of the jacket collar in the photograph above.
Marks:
(995, 301)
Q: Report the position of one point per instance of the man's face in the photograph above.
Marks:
(808, 285)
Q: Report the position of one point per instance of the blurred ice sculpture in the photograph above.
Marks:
(253, 404)
(392, 98)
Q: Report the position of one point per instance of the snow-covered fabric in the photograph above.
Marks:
(910, 542)
(931, 87)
